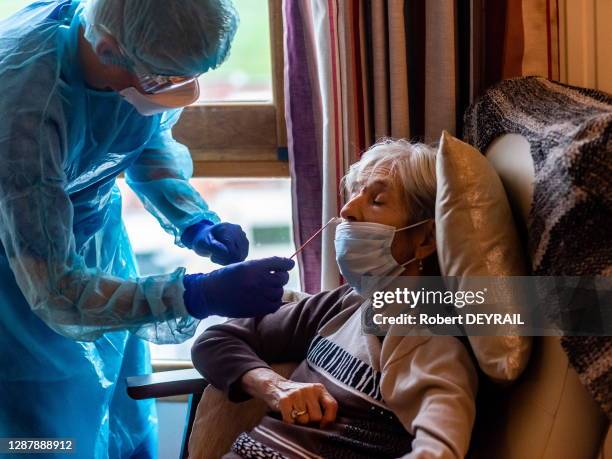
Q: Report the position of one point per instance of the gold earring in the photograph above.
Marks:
(420, 264)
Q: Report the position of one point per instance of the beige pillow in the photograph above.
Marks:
(476, 236)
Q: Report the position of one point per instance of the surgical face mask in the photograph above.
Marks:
(364, 249)
(143, 104)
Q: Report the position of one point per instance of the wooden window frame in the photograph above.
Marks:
(238, 139)
(241, 139)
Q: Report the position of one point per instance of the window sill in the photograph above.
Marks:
(169, 365)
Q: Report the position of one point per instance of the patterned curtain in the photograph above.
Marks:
(358, 70)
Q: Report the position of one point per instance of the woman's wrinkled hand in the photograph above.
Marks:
(298, 403)
(303, 403)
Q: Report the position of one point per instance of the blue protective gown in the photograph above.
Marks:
(74, 312)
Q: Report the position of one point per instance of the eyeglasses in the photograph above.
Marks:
(155, 84)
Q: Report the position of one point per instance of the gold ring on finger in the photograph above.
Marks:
(297, 414)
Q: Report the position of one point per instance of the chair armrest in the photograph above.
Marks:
(166, 384)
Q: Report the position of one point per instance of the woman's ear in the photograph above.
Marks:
(428, 244)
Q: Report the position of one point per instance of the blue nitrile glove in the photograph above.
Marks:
(248, 289)
(225, 242)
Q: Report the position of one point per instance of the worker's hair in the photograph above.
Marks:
(412, 164)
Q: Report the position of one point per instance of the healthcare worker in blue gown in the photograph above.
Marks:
(90, 90)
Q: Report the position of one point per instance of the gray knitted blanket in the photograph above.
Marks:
(570, 226)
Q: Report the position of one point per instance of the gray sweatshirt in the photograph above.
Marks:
(404, 396)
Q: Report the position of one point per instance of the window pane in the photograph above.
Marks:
(261, 206)
(8, 7)
(247, 73)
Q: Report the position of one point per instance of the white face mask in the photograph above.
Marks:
(364, 249)
(143, 104)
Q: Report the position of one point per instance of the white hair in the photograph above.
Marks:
(412, 164)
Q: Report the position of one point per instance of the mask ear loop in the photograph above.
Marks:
(414, 225)
(403, 265)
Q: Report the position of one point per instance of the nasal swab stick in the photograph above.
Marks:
(312, 237)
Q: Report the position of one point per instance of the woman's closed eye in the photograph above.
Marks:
(378, 200)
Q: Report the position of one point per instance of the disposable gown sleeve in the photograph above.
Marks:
(160, 177)
(36, 231)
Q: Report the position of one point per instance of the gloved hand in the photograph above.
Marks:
(248, 289)
(225, 242)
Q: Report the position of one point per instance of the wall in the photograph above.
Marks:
(585, 43)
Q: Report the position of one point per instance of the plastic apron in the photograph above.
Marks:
(52, 385)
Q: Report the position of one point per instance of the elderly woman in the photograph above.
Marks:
(354, 395)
